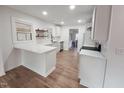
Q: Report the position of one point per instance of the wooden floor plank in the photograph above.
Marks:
(64, 76)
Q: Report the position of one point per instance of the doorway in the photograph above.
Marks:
(73, 38)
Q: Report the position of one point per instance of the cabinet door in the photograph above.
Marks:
(57, 31)
(101, 22)
(91, 71)
(50, 61)
(93, 24)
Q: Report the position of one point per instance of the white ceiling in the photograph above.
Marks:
(58, 13)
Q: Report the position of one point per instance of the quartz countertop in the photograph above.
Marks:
(36, 48)
(91, 53)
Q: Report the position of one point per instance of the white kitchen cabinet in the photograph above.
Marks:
(56, 31)
(100, 23)
(91, 68)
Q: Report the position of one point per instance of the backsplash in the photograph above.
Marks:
(104, 48)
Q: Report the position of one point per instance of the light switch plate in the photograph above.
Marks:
(119, 51)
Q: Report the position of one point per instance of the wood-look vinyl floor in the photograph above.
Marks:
(64, 76)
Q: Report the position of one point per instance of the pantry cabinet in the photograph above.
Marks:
(101, 23)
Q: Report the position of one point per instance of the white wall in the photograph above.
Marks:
(1, 64)
(65, 35)
(10, 55)
(115, 60)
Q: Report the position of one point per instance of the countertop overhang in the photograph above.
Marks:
(35, 48)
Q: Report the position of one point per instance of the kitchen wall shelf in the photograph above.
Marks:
(41, 36)
(40, 30)
(41, 33)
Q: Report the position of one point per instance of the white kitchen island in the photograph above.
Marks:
(39, 58)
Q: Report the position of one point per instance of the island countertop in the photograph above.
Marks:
(36, 48)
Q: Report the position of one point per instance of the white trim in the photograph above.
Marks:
(14, 35)
(2, 72)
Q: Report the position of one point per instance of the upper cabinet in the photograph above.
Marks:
(100, 23)
(56, 32)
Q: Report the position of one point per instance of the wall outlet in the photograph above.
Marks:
(119, 51)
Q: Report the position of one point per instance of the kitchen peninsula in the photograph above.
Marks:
(39, 58)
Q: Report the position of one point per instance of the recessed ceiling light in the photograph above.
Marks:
(44, 13)
(72, 7)
(79, 21)
(62, 22)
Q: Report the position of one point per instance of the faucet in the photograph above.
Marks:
(51, 38)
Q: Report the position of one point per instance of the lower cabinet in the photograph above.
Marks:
(91, 71)
(43, 64)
